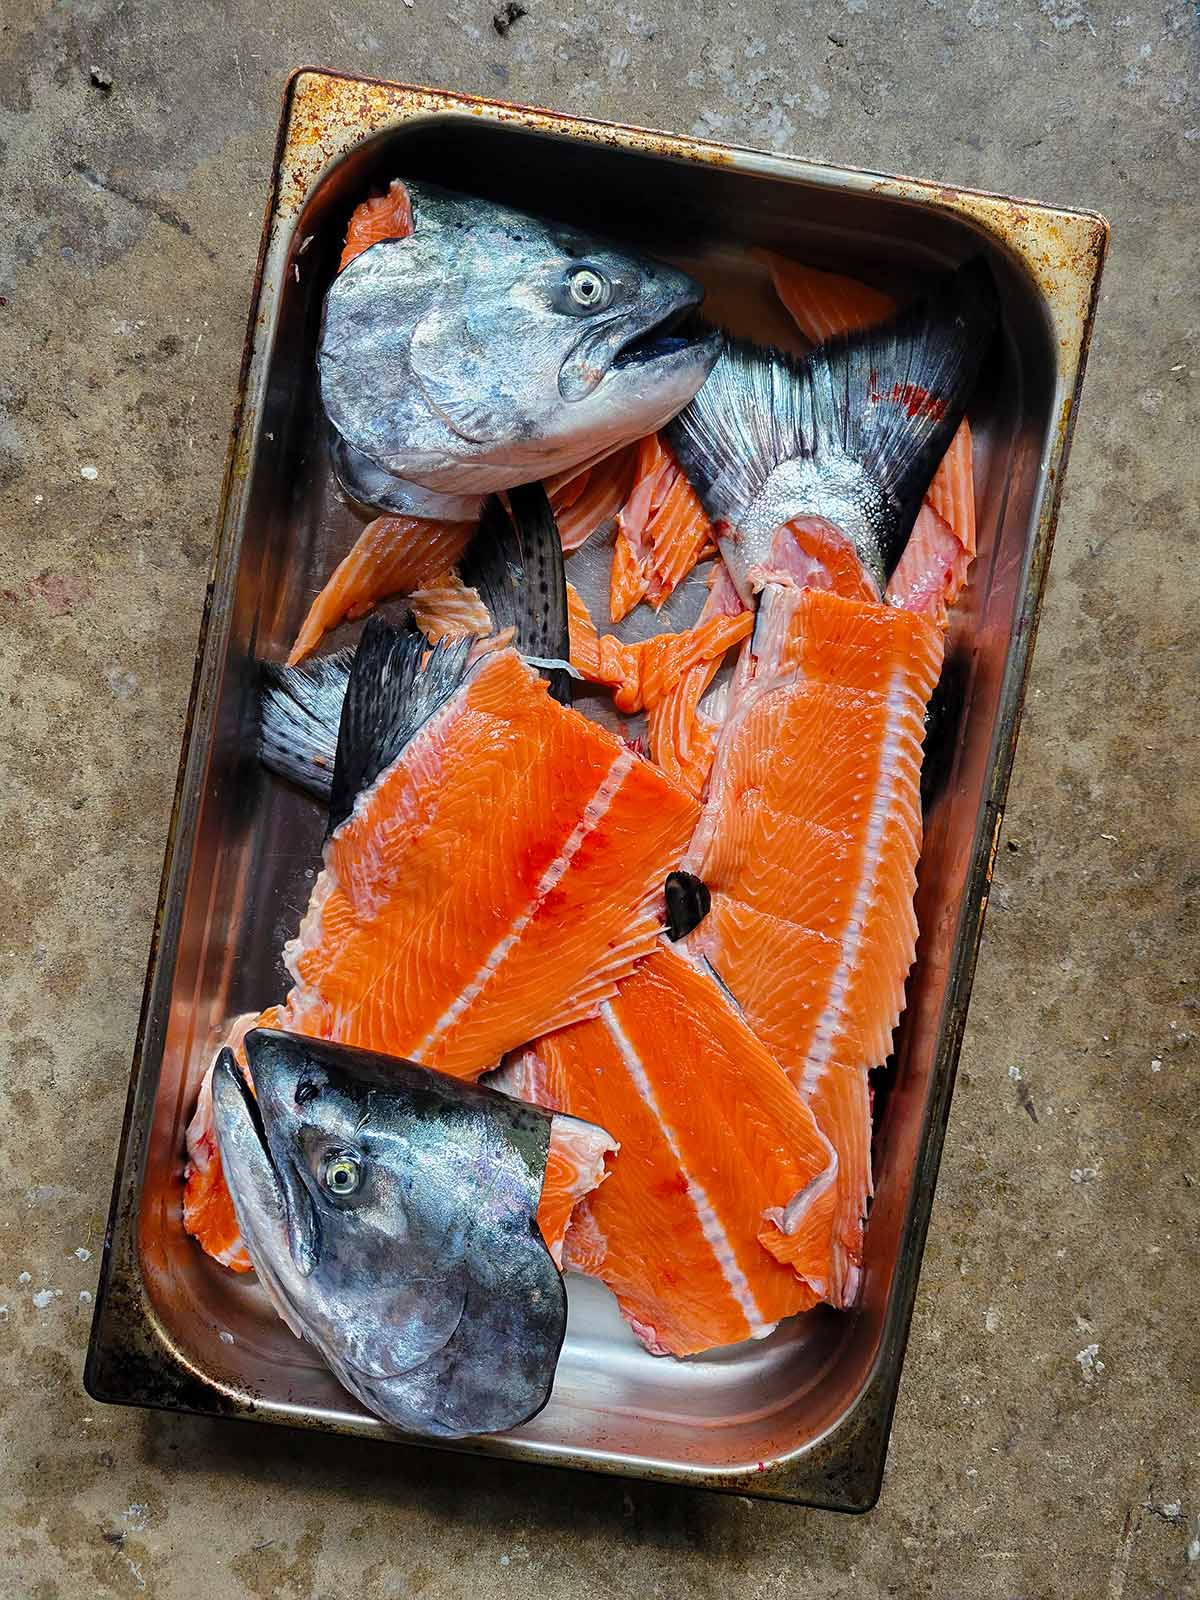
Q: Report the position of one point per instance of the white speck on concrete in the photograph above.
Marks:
(39, 499)
(1084, 1174)
(137, 1515)
(991, 1319)
(1065, 15)
(1015, 1074)
(85, 1297)
(1193, 1550)
(23, 1277)
(1089, 1361)
(503, 1561)
(83, 1254)
(122, 684)
(90, 473)
(709, 124)
(1156, 1064)
(817, 100)
(225, 1336)
(44, 1297)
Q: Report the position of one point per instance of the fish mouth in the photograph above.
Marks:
(667, 338)
(680, 331)
(250, 1105)
(249, 1113)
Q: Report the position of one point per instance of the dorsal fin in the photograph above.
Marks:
(515, 562)
(300, 709)
(397, 682)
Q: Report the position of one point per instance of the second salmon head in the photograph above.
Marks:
(390, 1214)
(492, 348)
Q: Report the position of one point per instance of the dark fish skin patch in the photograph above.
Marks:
(688, 903)
(396, 684)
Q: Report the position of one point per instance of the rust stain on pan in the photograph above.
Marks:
(327, 115)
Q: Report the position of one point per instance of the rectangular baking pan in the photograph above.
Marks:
(803, 1416)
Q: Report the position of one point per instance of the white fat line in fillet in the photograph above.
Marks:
(710, 1224)
(592, 815)
(881, 808)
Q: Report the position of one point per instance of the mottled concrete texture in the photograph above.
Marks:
(1047, 1432)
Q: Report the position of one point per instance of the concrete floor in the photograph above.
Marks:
(1046, 1439)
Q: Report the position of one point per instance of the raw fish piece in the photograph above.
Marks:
(825, 304)
(389, 1212)
(392, 555)
(718, 1153)
(848, 438)
(490, 348)
(384, 216)
(809, 844)
(494, 866)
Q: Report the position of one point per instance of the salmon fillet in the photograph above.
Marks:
(585, 498)
(576, 1163)
(718, 1154)
(662, 532)
(496, 881)
(933, 569)
(825, 304)
(385, 216)
(809, 844)
(449, 609)
(641, 674)
(392, 555)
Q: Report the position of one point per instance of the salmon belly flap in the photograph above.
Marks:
(809, 845)
(496, 881)
(719, 1156)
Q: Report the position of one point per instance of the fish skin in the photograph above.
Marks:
(428, 1289)
(512, 580)
(849, 437)
(459, 360)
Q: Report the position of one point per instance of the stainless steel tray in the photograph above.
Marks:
(802, 1416)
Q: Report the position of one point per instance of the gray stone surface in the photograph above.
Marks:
(1046, 1438)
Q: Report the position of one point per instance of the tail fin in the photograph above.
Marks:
(396, 683)
(861, 423)
(515, 561)
(299, 712)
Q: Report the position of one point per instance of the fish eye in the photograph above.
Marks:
(589, 290)
(342, 1175)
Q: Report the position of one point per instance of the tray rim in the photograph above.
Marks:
(324, 114)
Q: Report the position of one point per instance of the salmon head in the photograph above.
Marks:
(491, 348)
(390, 1214)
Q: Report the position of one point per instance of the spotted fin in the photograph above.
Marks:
(299, 712)
(397, 682)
